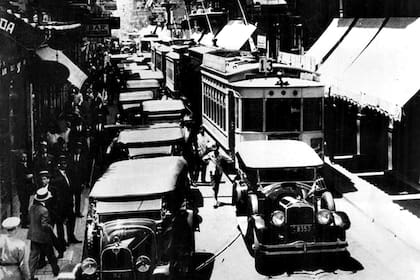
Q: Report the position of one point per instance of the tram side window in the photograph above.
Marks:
(283, 114)
(252, 114)
(312, 114)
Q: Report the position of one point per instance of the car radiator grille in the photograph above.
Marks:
(300, 221)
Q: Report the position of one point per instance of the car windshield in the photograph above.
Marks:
(289, 174)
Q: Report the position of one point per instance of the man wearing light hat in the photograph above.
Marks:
(13, 263)
(40, 233)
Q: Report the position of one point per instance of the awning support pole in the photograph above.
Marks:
(390, 131)
(358, 119)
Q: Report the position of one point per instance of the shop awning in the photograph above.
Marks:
(349, 49)
(234, 35)
(76, 76)
(330, 38)
(385, 76)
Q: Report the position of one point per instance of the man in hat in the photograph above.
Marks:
(40, 233)
(78, 167)
(52, 207)
(43, 159)
(13, 264)
(65, 193)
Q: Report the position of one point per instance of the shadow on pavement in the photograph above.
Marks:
(205, 272)
(314, 263)
(336, 182)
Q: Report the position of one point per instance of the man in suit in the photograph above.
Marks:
(43, 159)
(78, 167)
(65, 202)
(40, 233)
(52, 207)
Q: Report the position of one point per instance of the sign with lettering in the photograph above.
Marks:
(98, 30)
(7, 26)
(261, 42)
(15, 29)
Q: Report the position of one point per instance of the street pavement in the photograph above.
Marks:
(382, 241)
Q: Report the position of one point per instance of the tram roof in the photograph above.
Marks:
(139, 178)
(274, 82)
(278, 154)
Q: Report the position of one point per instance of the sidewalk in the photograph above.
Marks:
(379, 207)
(72, 255)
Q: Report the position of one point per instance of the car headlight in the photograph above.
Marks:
(324, 217)
(89, 266)
(143, 264)
(278, 218)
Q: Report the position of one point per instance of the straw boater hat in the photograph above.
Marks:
(42, 194)
(10, 223)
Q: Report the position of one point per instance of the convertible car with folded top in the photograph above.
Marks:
(289, 209)
(141, 222)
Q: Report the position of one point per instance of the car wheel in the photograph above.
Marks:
(261, 262)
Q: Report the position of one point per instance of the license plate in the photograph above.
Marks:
(300, 228)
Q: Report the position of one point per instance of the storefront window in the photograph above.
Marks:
(282, 114)
(252, 114)
(312, 114)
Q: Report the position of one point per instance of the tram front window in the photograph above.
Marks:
(312, 114)
(283, 114)
(252, 114)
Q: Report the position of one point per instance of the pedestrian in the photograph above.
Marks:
(25, 187)
(65, 194)
(52, 207)
(218, 160)
(40, 233)
(202, 150)
(13, 263)
(78, 167)
(43, 159)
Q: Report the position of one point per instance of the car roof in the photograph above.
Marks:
(150, 135)
(278, 154)
(139, 178)
(163, 105)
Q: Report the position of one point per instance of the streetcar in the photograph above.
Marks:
(241, 101)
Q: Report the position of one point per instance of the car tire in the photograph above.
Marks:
(261, 262)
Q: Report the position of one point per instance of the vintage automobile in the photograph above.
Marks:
(141, 222)
(290, 211)
(171, 110)
(148, 141)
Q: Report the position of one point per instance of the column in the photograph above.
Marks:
(390, 132)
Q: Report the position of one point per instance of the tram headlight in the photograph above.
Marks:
(143, 264)
(89, 266)
(324, 217)
(278, 218)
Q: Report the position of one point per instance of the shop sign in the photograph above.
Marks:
(7, 26)
(98, 30)
(261, 42)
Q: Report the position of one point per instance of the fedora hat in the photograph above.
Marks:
(42, 194)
